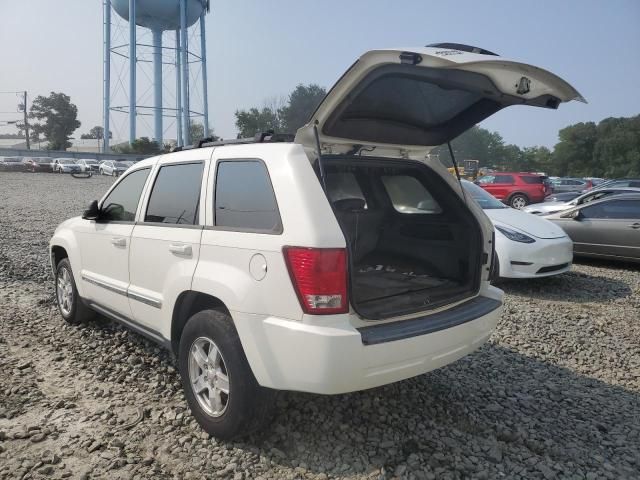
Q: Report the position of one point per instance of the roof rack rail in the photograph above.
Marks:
(263, 137)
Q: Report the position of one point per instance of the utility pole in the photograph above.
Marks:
(26, 124)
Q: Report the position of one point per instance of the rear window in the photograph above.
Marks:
(244, 198)
(532, 179)
(408, 195)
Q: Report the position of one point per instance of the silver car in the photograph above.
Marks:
(65, 165)
(606, 228)
(565, 184)
(113, 167)
(547, 208)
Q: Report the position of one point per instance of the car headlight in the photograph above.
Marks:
(515, 236)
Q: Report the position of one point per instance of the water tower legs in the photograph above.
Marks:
(132, 71)
(157, 86)
(179, 142)
(205, 94)
(186, 133)
(106, 92)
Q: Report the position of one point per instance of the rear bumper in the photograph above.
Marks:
(330, 357)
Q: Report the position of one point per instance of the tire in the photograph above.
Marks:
(246, 407)
(518, 201)
(70, 305)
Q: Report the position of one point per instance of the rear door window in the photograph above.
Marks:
(503, 179)
(122, 202)
(244, 197)
(175, 198)
(408, 195)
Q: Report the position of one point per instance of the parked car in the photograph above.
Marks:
(65, 165)
(608, 228)
(38, 164)
(516, 189)
(562, 197)
(546, 208)
(275, 266)
(566, 184)
(526, 246)
(11, 164)
(88, 165)
(617, 183)
(112, 167)
(595, 181)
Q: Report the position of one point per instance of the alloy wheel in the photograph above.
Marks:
(518, 202)
(64, 291)
(208, 377)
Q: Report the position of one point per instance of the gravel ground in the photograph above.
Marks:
(554, 394)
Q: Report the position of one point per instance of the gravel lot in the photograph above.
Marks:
(555, 394)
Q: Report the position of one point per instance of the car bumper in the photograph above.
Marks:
(331, 357)
(543, 258)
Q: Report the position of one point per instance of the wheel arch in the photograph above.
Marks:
(64, 245)
(518, 192)
(187, 304)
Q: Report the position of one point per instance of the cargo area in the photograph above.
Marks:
(413, 245)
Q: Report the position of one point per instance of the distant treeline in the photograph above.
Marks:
(608, 149)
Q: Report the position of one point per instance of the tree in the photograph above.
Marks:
(59, 119)
(616, 152)
(475, 144)
(281, 116)
(142, 146)
(303, 101)
(573, 155)
(253, 121)
(96, 133)
(196, 131)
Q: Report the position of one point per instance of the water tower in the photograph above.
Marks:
(127, 52)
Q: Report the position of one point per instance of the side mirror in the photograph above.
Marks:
(93, 212)
(574, 214)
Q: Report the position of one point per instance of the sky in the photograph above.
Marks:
(260, 50)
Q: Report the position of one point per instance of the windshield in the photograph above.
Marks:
(42, 160)
(121, 164)
(66, 162)
(484, 199)
(90, 162)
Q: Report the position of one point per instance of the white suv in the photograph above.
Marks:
(339, 261)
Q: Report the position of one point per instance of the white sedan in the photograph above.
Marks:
(527, 246)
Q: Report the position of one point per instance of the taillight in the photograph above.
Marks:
(319, 277)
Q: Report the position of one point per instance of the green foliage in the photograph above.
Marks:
(303, 101)
(96, 133)
(196, 131)
(143, 146)
(58, 119)
(252, 121)
(287, 118)
(609, 149)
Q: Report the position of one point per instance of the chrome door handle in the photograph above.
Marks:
(635, 226)
(119, 242)
(180, 249)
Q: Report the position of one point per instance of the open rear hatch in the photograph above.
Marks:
(413, 244)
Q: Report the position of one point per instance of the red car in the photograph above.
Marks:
(516, 189)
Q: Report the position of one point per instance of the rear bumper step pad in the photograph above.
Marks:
(414, 327)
